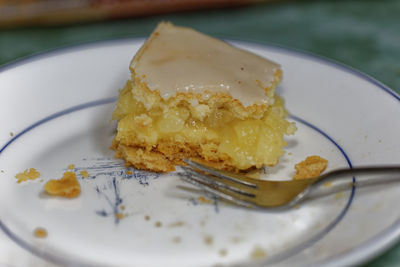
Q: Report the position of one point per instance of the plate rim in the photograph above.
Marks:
(367, 250)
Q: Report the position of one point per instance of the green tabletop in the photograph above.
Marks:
(359, 33)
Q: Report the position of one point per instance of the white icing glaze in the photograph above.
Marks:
(178, 59)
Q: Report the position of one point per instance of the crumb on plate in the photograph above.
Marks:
(311, 167)
(176, 239)
(204, 200)
(40, 232)
(30, 174)
(258, 253)
(223, 252)
(208, 240)
(121, 215)
(177, 224)
(84, 174)
(71, 166)
(68, 186)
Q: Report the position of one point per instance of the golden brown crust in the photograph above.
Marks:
(166, 154)
(143, 159)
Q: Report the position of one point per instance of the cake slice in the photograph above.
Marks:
(193, 96)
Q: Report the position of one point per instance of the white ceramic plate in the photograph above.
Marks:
(56, 110)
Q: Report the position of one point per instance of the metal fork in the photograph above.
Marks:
(256, 193)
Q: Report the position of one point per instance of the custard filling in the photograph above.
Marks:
(207, 130)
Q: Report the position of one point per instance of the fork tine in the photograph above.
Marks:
(218, 192)
(217, 184)
(240, 179)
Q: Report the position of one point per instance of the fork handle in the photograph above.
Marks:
(342, 179)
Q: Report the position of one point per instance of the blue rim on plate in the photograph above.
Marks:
(381, 237)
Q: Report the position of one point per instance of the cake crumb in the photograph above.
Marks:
(204, 200)
(311, 167)
(11, 134)
(122, 207)
(158, 224)
(120, 215)
(208, 240)
(258, 253)
(129, 172)
(176, 239)
(328, 184)
(40, 232)
(147, 218)
(177, 224)
(68, 186)
(30, 174)
(223, 252)
(84, 174)
(71, 166)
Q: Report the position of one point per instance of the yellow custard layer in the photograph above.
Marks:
(155, 133)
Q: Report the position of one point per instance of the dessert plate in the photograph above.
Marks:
(56, 116)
